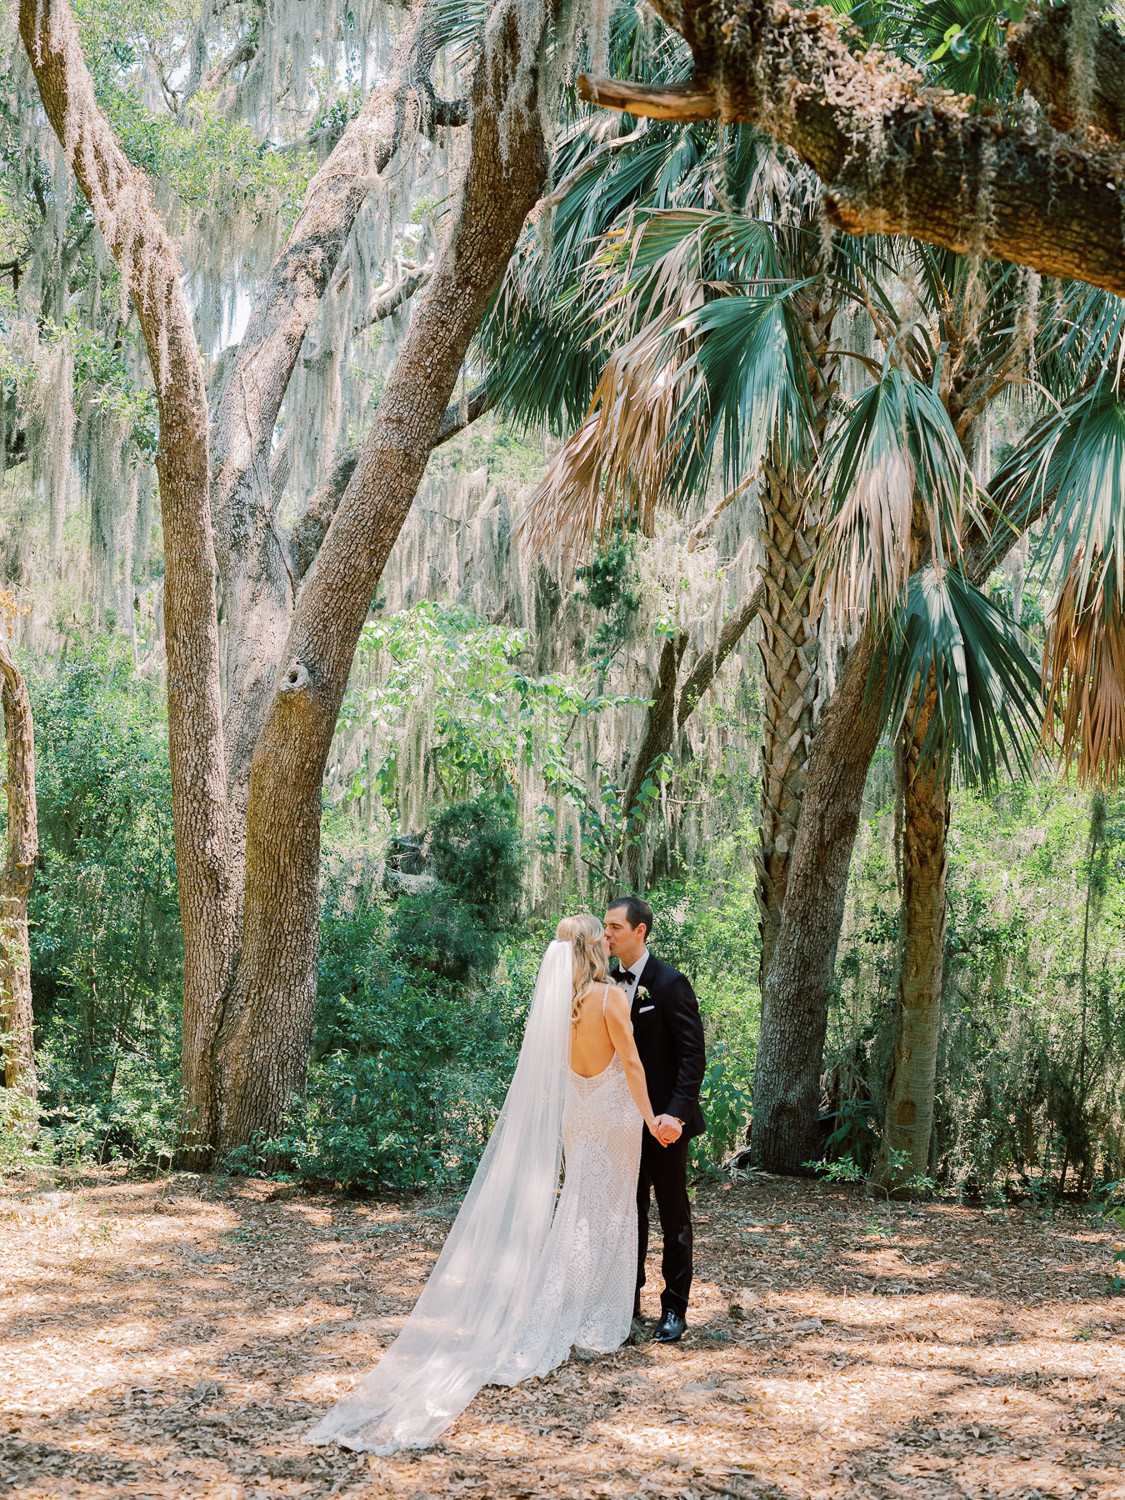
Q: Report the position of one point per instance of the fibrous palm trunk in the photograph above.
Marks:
(789, 643)
(17, 1054)
(904, 1151)
(790, 654)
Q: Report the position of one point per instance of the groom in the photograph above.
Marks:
(669, 1037)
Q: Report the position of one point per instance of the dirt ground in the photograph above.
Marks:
(175, 1338)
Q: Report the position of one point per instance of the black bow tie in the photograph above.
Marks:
(626, 976)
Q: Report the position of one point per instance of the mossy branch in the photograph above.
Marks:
(895, 156)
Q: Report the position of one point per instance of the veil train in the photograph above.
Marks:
(482, 1286)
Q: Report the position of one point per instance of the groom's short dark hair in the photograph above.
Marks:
(636, 911)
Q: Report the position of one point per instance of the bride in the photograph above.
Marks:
(527, 1271)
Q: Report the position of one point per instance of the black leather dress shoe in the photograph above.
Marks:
(671, 1328)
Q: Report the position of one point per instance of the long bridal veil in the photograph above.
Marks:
(481, 1288)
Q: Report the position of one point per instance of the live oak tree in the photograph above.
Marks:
(246, 774)
(1042, 189)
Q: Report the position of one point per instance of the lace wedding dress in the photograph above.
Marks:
(526, 1272)
(587, 1274)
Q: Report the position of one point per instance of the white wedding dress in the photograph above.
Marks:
(587, 1273)
(527, 1271)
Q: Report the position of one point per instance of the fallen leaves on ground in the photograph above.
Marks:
(176, 1338)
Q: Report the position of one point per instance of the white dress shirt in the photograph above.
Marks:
(638, 969)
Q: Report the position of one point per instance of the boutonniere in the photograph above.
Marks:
(642, 993)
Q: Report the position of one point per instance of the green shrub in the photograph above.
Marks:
(106, 950)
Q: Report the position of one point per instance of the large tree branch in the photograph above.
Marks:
(1041, 50)
(121, 203)
(707, 664)
(258, 580)
(277, 972)
(312, 526)
(256, 382)
(386, 303)
(895, 157)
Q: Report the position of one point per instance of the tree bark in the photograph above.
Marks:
(1040, 51)
(121, 204)
(671, 707)
(895, 156)
(263, 1049)
(247, 1016)
(904, 1152)
(799, 983)
(790, 653)
(17, 1052)
(259, 581)
(789, 643)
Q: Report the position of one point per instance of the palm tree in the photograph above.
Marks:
(695, 330)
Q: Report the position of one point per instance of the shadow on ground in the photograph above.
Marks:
(175, 1338)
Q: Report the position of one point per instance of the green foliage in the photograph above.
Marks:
(105, 940)
(478, 858)
(208, 161)
(1030, 1099)
(602, 583)
(477, 853)
(23, 1146)
(725, 1100)
(409, 1067)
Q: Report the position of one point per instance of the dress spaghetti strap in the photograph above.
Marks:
(605, 997)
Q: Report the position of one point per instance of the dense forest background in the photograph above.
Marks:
(595, 659)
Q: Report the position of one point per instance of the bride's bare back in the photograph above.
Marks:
(603, 1030)
(591, 1046)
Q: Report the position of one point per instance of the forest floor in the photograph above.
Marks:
(175, 1338)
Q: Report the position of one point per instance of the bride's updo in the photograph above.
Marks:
(585, 934)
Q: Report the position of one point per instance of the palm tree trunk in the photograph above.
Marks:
(904, 1152)
(789, 644)
(17, 1054)
(790, 655)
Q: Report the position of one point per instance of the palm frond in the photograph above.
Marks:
(664, 399)
(894, 470)
(947, 636)
(1084, 678)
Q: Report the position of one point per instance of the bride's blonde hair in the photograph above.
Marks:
(591, 962)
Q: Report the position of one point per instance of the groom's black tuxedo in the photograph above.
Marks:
(669, 1037)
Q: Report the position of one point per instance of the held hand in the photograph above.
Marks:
(667, 1130)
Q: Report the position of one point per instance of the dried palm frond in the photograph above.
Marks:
(1084, 675)
(621, 458)
(895, 470)
(698, 376)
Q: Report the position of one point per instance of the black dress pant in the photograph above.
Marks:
(664, 1171)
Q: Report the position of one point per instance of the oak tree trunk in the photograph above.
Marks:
(799, 983)
(904, 1151)
(250, 976)
(264, 1045)
(17, 1054)
(120, 200)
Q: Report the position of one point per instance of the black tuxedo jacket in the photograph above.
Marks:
(669, 1037)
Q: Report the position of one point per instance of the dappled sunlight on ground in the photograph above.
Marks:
(175, 1338)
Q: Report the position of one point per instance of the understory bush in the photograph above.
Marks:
(106, 951)
(1030, 1097)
